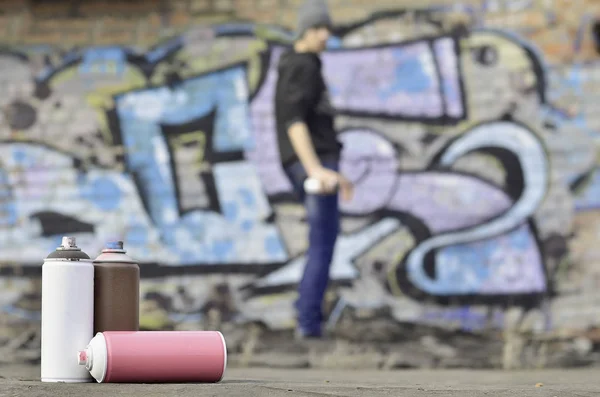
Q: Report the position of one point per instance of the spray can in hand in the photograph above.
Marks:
(67, 312)
(314, 186)
(116, 290)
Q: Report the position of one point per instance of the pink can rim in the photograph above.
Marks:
(224, 356)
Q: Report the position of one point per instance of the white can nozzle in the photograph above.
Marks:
(68, 242)
(82, 357)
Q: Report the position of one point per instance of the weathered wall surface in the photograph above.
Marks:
(470, 132)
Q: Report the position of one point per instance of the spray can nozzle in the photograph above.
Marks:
(69, 244)
(85, 358)
(82, 357)
(114, 245)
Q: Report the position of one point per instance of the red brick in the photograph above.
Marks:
(41, 37)
(244, 5)
(92, 8)
(223, 5)
(13, 5)
(114, 23)
(5, 22)
(271, 4)
(179, 19)
(114, 37)
(54, 9)
(77, 37)
(65, 23)
(200, 5)
(154, 20)
(178, 5)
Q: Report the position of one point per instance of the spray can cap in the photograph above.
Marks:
(68, 250)
(114, 252)
(114, 245)
(69, 243)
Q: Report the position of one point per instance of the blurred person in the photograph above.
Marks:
(309, 148)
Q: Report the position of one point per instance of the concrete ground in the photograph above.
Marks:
(20, 381)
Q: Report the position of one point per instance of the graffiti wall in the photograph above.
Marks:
(469, 132)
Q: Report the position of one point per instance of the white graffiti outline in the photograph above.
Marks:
(532, 157)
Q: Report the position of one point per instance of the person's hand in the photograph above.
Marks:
(330, 180)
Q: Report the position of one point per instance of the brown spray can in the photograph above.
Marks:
(116, 290)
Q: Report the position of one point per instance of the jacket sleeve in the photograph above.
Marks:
(299, 91)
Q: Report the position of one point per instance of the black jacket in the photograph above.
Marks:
(301, 95)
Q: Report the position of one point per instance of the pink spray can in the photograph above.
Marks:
(156, 357)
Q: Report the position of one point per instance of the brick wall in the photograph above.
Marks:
(470, 131)
(145, 22)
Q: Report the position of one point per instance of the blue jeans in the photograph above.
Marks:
(323, 217)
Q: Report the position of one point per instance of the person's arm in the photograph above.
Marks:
(303, 146)
(301, 93)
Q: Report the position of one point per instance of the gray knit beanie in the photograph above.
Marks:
(313, 13)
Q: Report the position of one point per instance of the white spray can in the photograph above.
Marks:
(314, 186)
(67, 312)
